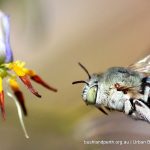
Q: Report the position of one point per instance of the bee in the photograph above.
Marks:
(124, 89)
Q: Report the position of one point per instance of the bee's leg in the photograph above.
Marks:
(102, 110)
(146, 89)
(128, 108)
(109, 109)
(142, 111)
(131, 109)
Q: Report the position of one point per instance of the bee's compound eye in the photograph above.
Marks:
(91, 95)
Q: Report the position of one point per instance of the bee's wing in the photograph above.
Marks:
(142, 65)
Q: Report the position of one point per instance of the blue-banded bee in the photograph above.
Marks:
(119, 88)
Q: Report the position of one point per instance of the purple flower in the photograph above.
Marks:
(11, 70)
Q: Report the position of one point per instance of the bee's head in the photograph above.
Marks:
(90, 89)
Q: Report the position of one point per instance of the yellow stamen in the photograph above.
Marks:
(30, 72)
(17, 67)
(14, 85)
(1, 86)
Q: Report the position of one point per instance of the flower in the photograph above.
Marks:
(11, 70)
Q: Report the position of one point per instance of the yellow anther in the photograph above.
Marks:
(14, 85)
(1, 86)
(20, 64)
(17, 67)
(18, 70)
(30, 72)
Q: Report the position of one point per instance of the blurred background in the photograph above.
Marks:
(52, 36)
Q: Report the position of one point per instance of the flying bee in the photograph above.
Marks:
(119, 88)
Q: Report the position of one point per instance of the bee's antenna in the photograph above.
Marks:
(85, 70)
(81, 81)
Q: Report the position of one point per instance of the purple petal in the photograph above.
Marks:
(2, 40)
(8, 51)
